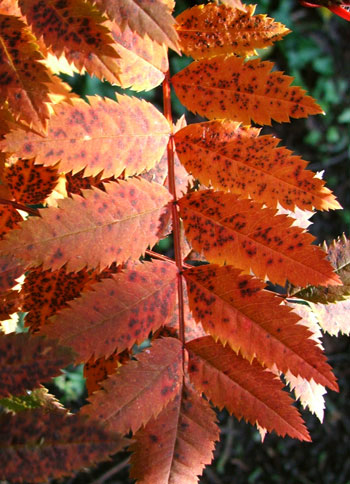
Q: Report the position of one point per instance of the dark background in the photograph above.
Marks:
(317, 54)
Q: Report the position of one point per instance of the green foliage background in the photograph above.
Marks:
(317, 54)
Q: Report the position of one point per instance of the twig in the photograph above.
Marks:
(111, 472)
(20, 206)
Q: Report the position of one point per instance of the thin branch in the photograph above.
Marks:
(111, 472)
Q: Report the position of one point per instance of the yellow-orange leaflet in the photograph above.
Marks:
(229, 88)
(235, 158)
(209, 30)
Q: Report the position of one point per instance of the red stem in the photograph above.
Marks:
(19, 206)
(175, 214)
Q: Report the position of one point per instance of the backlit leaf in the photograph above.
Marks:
(119, 312)
(309, 393)
(27, 360)
(338, 254)
(240, 232)
(30, 183)
(140, 389)
(236, 310)
(10, 269)
(94, 231)
(185, 431)
(228, 87)
(234, 158)
(75, 28)
(245, 390)
(23, 77)
(151, 17)
(10, 302)
(37, 445)
(209, 30)
(142, 61)
(131, 134)
(333, 318)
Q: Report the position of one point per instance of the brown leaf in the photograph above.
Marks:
(27, 360)
(37, 445)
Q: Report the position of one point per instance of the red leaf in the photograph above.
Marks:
(94, 231)
(240, 232)
(27, 360)
(174, 447)
(246, 390)
(236, 310)
(140, 389)
(119, 312)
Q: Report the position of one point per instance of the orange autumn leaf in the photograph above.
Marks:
(228, 87)
(53, 444)
(30, 183)
(10, 269)
(184, 423)
(76, 28)
(140, 389)
(236, 310)
(246, 390)
(229, 230)
(119, 312)
(130, 135)
(234, 158)
(93, 231)
(23, 78)
(18, 352)
(151, 17)
(209, 30)
(142, 61)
